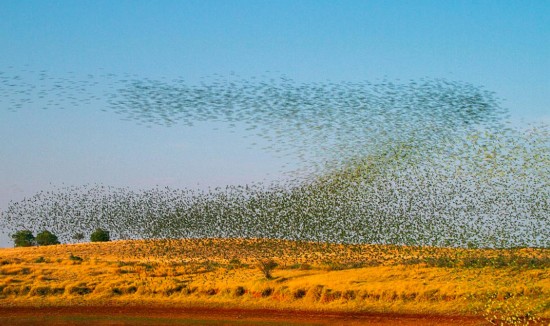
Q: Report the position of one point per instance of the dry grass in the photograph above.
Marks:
(311, 276)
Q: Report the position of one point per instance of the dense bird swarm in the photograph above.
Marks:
(429, 163)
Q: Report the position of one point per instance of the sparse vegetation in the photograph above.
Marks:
(217, 270)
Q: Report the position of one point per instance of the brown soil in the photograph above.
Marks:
(143, 315)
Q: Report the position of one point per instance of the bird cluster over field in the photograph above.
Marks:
(418, 163)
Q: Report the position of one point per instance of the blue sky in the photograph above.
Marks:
(501, 45)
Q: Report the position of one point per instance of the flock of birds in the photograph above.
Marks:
(427, 163)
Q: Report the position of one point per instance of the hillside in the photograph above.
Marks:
(496, 284)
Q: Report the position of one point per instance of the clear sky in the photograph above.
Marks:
(501, 45)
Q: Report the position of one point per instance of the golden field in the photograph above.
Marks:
(510, 285)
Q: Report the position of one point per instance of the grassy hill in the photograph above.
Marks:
(498, 284)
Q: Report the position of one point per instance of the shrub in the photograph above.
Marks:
(75, 258)
(23, 238)
(100, 235)
(267, 292)
(80, 289)
(46, 238)
(239, 291)
(40, 259)
(300, 293)
(41, 290)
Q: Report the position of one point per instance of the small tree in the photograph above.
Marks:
(100, 235)
(46, 238)
(266, 266)
(78, 236)
(23, 238)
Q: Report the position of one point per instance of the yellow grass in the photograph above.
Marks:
(310, 276)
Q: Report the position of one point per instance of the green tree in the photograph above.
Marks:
(100, 235)
(23, 238)
(46, 238)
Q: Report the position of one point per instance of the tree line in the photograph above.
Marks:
(25, 238)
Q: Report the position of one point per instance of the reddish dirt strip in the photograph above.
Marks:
(50, 316)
